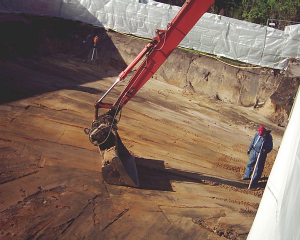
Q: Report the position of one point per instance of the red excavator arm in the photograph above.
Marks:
(157, 51)
(118, 165)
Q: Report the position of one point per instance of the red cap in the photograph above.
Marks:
(262, 131)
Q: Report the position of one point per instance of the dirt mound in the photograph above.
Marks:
(27, 36)
(31, 36)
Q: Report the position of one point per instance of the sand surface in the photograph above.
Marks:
(190, 153)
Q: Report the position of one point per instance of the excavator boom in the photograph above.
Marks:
(103, 132)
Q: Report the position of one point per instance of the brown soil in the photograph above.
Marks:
(190, 149)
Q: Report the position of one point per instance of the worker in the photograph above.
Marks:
(94, 51)
(261, 145)
(95, 41)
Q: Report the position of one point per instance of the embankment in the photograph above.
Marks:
(269, 91)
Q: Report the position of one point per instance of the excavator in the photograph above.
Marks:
(118, 165)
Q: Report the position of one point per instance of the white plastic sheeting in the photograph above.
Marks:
(278, 216)
(214, 34)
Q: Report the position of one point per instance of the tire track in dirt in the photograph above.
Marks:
(204, 140)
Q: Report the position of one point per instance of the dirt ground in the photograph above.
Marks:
(190, 151)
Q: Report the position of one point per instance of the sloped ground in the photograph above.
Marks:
(190, 152)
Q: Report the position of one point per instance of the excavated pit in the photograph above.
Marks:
(189, 128)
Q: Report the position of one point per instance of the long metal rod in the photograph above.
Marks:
(124, 73)
(112, 86)
(256, 165)
(93, 54)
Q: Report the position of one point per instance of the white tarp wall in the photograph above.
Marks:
(278, 216)
(214, 34)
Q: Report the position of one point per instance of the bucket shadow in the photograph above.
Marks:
(153, 175)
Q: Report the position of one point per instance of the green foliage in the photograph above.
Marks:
(259, 11)
(256, 11)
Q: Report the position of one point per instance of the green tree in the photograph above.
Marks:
(256, 11)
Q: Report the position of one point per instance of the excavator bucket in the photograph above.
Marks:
(118, 165)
